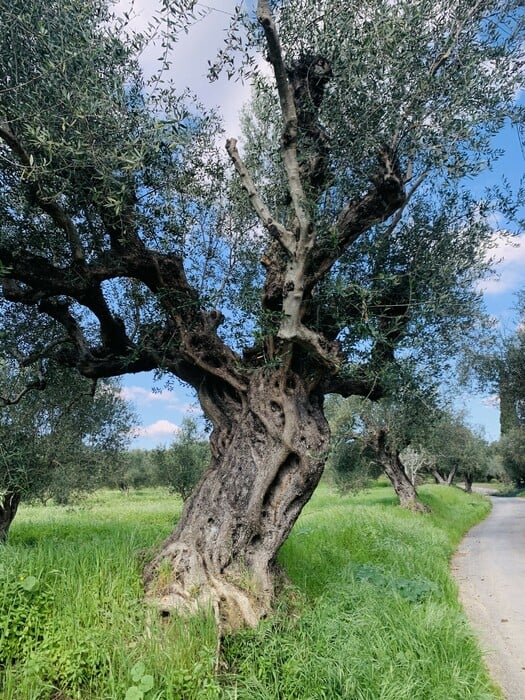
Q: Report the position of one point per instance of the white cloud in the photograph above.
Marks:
(142, 396)
(191, 54)
(491, 401)
(509, 257)
(161, 428)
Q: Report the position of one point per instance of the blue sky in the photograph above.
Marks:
(161, 410)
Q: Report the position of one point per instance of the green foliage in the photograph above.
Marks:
(25, 605)
(134, 469)
(373, 613)
(401, 76)
(427, 437)
(29, 636)
(403, 418)
(413, 38)
(457, 449)
(61, 439)
(95, 632)
(501, 370)
(144, 681)
(512, 450)
(118, 147)
(509, 366)
(495, 467)
(352, 465)
(412, 589)
(181, 466)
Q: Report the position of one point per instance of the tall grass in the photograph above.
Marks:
(371, 612)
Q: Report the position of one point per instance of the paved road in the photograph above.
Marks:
(489, 567)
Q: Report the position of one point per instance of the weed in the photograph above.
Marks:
(143, 682)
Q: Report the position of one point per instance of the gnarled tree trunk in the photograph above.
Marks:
(393, 468)
(8, 508)
(447, 480)
(268, 456)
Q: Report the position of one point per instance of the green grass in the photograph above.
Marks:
(371, 612)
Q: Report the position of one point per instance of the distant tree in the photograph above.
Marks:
(457, 450)
(57, 440)
(351, 461)
(370, 437)
(510, 368)
(495, 468)
(181, 466)
(501, 370)
(416, 461)
(512, 449)
(135, 469)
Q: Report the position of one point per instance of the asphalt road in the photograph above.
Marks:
(489, 568)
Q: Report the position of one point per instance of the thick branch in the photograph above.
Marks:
(275, 229)
(325, 353)
(59, 311)
(359, 384)
(377, 205)
(40, 275)
(192, 348)
(289, 113)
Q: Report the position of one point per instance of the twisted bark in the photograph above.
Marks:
(8, 509)
(393, 468)
(268, 457)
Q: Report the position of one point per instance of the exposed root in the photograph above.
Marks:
(181, 583)
(416, 507)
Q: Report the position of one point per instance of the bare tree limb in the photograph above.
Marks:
(289, 113)
(276, 230)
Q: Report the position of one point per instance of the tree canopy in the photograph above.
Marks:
(57, 440)
(311, 270)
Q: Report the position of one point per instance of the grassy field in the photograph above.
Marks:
(371, 613)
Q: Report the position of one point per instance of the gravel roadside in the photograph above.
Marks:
(489, 568)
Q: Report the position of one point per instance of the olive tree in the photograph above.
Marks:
(502, 370)
(58, 438)
(182, 464)
(374, 436)
(119, 222)
(511, 448)
(508, 371)
(457, 451)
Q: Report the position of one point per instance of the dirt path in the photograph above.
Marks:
(489, 568)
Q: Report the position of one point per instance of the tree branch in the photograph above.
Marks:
(289, 113)
(84, 286)
(35, 385)
(275, 229)
(50, 206)
(377, 205)
(312, 342)
(355, 385)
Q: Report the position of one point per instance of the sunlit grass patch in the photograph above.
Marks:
(371, 612)
(379, 618)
